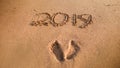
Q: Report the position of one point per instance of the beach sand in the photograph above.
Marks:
(26, 46)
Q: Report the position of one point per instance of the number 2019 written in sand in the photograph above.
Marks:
(60, 19)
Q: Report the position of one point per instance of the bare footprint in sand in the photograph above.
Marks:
(73, 49)
(56, 51)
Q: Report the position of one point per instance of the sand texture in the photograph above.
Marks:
(59, 33)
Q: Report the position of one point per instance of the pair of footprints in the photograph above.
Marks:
(58, 53)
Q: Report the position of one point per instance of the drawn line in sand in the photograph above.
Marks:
(56, 51)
